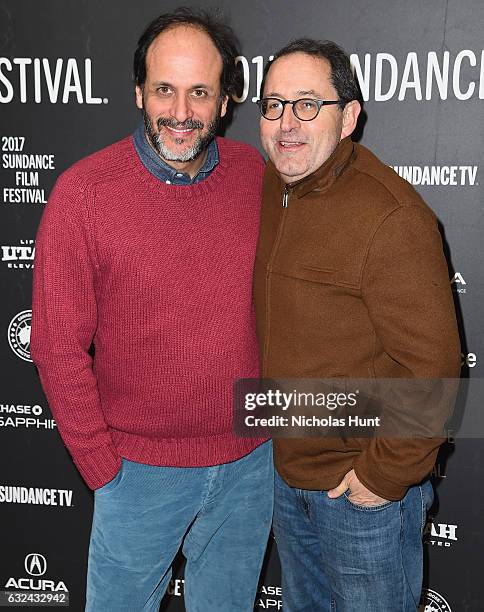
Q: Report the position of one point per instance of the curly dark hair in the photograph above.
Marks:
(220, 33)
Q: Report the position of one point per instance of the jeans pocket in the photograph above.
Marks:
(114, 482)
(362, 508)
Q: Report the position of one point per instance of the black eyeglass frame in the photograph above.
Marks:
(320, 103)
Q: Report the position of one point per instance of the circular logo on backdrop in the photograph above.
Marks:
(35, 564)
(19, 334)
(431, 601)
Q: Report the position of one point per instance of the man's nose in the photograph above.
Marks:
(288, 120)
(181, 109)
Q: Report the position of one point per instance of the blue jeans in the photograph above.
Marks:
(220, 516)
(338, 556)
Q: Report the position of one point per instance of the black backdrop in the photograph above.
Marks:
(66, 91)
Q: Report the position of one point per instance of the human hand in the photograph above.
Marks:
(359, 494)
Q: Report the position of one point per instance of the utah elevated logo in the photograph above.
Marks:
(439, 534)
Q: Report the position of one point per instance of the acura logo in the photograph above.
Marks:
(35, 564)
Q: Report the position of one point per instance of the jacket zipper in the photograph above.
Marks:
(285, 199)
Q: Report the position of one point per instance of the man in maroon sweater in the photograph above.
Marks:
(146, 249)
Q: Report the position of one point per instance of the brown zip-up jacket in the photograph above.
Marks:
(351, 281)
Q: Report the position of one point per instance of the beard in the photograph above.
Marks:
(191, 152)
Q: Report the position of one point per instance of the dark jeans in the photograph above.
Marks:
(338, 556)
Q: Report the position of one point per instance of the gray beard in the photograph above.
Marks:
(200, 144)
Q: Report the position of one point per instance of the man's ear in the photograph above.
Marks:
(350, 118)
(223, 106)
(139, 96)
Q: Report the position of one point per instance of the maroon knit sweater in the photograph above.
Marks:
(159, 277)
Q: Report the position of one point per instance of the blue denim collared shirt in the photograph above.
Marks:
(161, 170)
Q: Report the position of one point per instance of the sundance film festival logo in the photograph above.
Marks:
(383, 76)
(431, 601)
(420, 76)
(20, 256)
(44, 80)
(439, 534)
(19, 334)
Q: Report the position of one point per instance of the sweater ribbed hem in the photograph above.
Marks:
(184, 452)
(99, 466)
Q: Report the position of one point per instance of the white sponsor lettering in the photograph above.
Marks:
(31, 584)
(458, 282)
(271, 590)
(444, 531)
(24, 196)
(176, 587)
(438, 175)
(35, 565)
(438, 471)
(20, 409)
(20, 256)
(35, 495)
(27, 166)
(439, 534)
(45, 80)
(431, 74)
(269, 604)
(267, 595)
(28, 423)
(469, 360)
(11, 161)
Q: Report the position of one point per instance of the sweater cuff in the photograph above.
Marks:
(98, 466)
(373, 480)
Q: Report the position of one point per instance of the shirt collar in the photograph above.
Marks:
(163, 171)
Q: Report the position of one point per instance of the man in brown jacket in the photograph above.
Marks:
(350, 281)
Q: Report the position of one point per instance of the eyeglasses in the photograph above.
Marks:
(305, 109)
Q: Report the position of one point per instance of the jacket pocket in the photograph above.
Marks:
(307, 273)
(348, 279)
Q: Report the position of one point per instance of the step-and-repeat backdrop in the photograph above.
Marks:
(66, 90)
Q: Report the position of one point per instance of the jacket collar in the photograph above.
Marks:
(322, 178)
